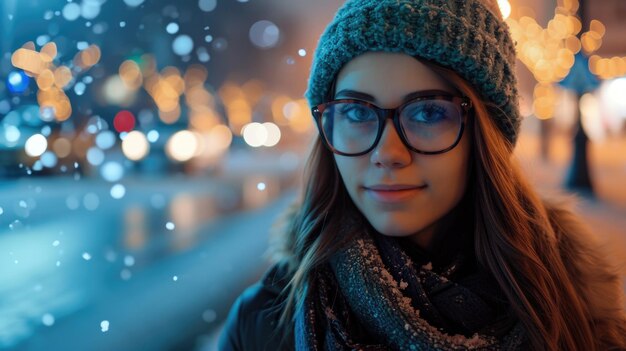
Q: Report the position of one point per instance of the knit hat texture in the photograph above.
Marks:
(462, 35)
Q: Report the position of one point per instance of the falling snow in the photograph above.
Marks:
(209, 315)
(47, 320)
(126, 274)
(129, 261)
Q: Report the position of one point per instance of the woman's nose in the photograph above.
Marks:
(390, 151)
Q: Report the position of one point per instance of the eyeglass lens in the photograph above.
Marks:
(427, 125)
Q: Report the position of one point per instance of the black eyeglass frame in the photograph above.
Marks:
(383, 114)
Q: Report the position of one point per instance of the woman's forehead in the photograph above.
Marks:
(388, 77)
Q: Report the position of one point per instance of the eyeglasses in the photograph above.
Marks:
(427, 125)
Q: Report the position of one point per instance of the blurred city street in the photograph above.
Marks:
(162, 268)
(604, 213)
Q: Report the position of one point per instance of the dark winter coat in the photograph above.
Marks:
(252, 319)
(251, 323)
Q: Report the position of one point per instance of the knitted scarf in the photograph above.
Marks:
(373, 296)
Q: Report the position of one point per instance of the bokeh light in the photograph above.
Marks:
(105, 140)
(28, 60)
(112, 171)
(124, 121)
(254, 134)
(218, 140)
(153, 136)
(88, 57)
(590, 113)
(182, 146)
(47, 320)
(116, 92)
(207, 5)
(135, 146)
(79, 88)
(49, 52)
(62, 147)
(273, 134)
(90, 9)
(130, 74)
(17, 82)
(62, 76)
(118, 191)
(91, 201)
(11, 133)
(48, 159)
(71, 11)
(133, 3)
(264, 34)
(42, 39)
(172, 28)
(505, 8)
(182, 45)
(95, 156)
(36, 145)
(613, 106)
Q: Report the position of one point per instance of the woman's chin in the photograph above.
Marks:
(420, 233)
(397, 229)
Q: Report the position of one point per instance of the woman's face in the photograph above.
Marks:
(436, 182)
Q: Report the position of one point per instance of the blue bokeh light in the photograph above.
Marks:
(17, 82)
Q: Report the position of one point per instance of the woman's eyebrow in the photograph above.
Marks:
(349, 93)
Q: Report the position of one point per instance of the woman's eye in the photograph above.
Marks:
(356, 113)
(426, 113)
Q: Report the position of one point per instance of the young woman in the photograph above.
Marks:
(416, 230)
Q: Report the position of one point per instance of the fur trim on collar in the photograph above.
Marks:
(594, 276)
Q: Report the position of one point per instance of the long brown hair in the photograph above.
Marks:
(514, 239)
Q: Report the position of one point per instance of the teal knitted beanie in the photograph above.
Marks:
(462, 35)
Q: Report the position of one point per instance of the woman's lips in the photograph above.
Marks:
(392, 194)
